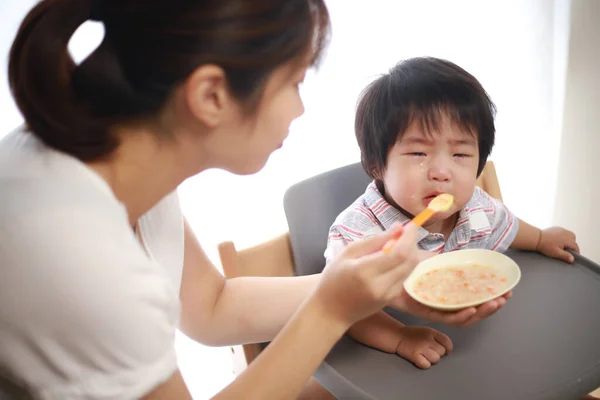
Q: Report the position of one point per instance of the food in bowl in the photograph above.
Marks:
(460, 284)
(463, 278)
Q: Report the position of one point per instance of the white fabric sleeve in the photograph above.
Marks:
(84, 313)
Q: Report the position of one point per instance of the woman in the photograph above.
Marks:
(99, 266)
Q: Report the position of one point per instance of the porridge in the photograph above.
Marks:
(460, 284)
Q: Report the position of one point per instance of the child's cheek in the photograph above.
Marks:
(410, 197)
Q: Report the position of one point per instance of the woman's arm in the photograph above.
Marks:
(173, 389)
(219, 312)
(283, 367)
(357, 284)
(291, 359)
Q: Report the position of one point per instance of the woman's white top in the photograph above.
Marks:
(87, 311)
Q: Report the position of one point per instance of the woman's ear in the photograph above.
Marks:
(207, 95)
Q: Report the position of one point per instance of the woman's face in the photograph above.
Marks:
(240, 142)
(263, 133)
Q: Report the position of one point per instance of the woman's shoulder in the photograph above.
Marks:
(77, 291)
(69, 244)
(43, 187)
(60, 220)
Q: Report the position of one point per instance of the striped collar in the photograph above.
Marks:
(472, 223)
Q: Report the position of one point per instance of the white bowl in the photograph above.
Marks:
(497, 261)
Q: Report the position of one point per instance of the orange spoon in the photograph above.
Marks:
(441, 203)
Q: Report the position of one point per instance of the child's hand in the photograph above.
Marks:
(554, 242)
(423, 346)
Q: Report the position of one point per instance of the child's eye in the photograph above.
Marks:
(417, 154)
(461, 155)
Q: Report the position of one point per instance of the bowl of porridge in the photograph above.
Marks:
(461, 279)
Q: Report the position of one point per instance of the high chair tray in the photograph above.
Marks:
(544, 344)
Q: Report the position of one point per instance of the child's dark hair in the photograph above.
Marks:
(421, 90)
(150, 47)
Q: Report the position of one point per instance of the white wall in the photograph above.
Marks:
(11, 13)
(578, 194)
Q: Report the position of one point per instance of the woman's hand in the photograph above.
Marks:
(363, 279)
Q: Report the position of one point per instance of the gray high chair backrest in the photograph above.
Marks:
(312, 205)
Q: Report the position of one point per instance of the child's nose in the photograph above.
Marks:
(439, 174)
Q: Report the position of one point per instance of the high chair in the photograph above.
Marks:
(488, 181)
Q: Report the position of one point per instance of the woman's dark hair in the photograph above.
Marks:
(149, 48)
(423, 90)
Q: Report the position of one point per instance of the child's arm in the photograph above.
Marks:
(527, 238)
(552, 242)
(421, 345)
(509, 231)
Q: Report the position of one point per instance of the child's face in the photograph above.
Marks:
(421, 166)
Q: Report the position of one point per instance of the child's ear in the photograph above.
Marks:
(377, 174)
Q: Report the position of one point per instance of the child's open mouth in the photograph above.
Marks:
(428, 199)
